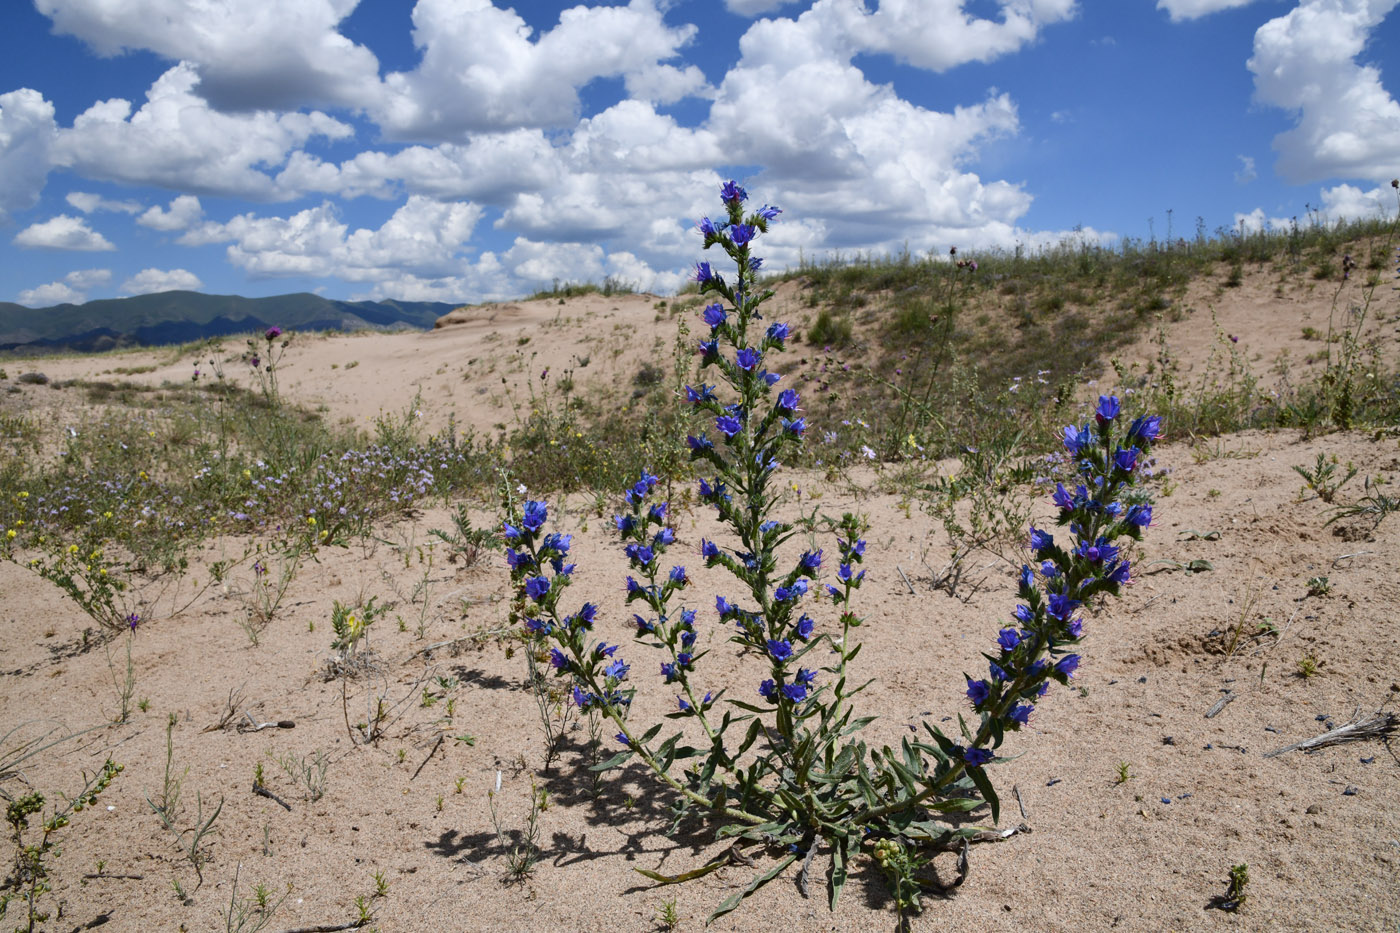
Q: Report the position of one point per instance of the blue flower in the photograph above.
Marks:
(1076, 439)
(780, 650)
(622, 737)
(778, 332)
(768, 690)
(1107, 409)
(688, 617)
(1041, 541)
(1021, 713)
(537, 588)
(995, 671)
(742, 233)
(843, 573)
(806, 677)
(978, 691)
(1120, 573)
(728, 425)
(510, 532)
(1062, 498)
(703, 394)
(708, 549)
(558, 542)
(657, 512)
(748, 358)
(625, 523)
(703, 272)
(639, 554)
(664, 538)
(519, 560)
(707, 226)
(1126, 460)
(756, 263)
(767, 213)
(644, 626)
(795, 427)
(976, 757)
(1067, 665)
(617, 669)
(1009, 638)
(539, 626)
(730, 192)
(585, 615)
(714, 315)
(683, 705)
(1027, 580)
(724, 607)
(700, 443)
(1061, 606)
(1146, 428)
(811, 561)
(1098, 552)
(535, 515)
(1049, 570)
(1023, 615)
(1139, 516)
(678, 576)
(670, 671)
(559, 659)
(770, 379)
(634, 588)
(787, 401)
(803, 630)
(795, 693)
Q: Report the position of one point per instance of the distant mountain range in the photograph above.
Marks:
(180, 317)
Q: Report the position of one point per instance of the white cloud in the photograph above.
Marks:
(1347, 202)
(182, 214)
(249, 55)
(52, 293)
(150, 281)
(88, 202)
(754, 7)
(1247, 172)
(481, 71)
(423, 237)
(72, 290)
(175, 140)
(1348, 125)
(26, 135)
(940, 34)
(1182, 10)
(62, 232)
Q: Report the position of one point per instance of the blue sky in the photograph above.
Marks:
(460, 150)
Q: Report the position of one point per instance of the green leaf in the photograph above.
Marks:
(700, 872)
(613, 762)
(984, 784)
(838, 870)
(758, 882)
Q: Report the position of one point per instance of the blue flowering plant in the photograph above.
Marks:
(780, 765)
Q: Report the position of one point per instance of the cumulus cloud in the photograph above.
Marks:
(248, 56)
(423, 237)
(182, 214)
(1348, 125)
(63, 232)
(481, 70)
(71, 290)
(26, 136)
(88, 203)
(754, 7)
(175, 140)
(1182, 10)
(150, 281)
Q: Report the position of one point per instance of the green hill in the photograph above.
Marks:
(179, 317)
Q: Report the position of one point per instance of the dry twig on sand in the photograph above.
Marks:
(1358, 730)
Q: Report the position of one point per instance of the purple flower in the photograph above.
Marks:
(796, 693)
(703, 394)
(714, 315)
(976, 757)
(1076, 439)
(747, 359)
(557, 542)
(1145, 428)
(624, 523)
(806, 677)
(1098, 552)
(1139, 515)
(559, 659)
(273, 332)
(1062, 498)
(978, 691)
(537, 588)
(535, 515)
(778, 332)
(768, 689)
(1041, 541)
(1120, 574)
(617, 670)
(133, 620)
(731, 193)
(1023, 615)
(795, 427)
(703, 272)
(780, 650)
(997, 674)
(1009, 638)
(724, 607)
(742, 233)
(678, 576)
(1061, 606)
(803, 630)
(644, 626)
(843, 573)
(728, 425)
(700, 443)
(1126, 460)
(1107, 409)
(1067, 665)
(670, 671)
(707, 226)
(1021, 713)
(787, 401)
(708, 549)
(767, 213)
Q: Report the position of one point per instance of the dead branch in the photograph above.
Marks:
(1377, 726)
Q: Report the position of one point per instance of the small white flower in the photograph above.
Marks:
(869, 454)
